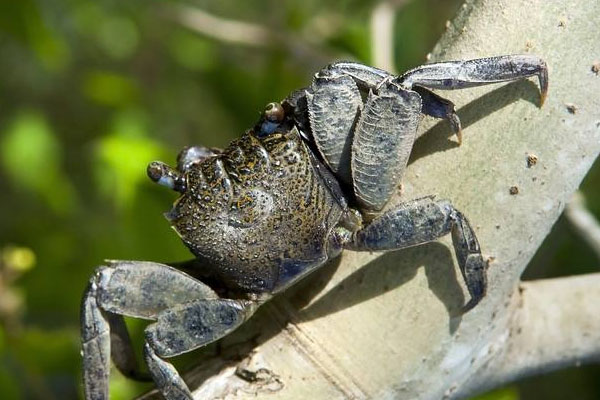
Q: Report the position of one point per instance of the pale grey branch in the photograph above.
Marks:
(555, 325)
(584, 222)
(382, 21)
(222, 28)
(249, 34)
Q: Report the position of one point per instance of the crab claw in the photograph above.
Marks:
(164, 175)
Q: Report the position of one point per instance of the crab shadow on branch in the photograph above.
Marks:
(388, 272)
(431, 142)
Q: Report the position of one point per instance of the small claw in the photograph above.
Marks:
(459, 137)
(164, 175)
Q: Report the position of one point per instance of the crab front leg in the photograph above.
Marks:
(188, 313)
(368, 145)
(451, 75)
(362, 77)
(421, 221)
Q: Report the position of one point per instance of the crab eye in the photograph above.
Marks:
(274, 112)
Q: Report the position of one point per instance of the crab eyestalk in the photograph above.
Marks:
(164, 175)
(272, 118)
(274, 112)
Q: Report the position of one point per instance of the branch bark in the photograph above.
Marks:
(388, 325)
(555, 325)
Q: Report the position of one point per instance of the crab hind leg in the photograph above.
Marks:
(121, 349)
(104, 336)
(364, 76)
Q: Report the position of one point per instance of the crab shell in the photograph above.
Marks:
(261, 212)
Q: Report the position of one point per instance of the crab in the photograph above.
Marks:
(314, 176)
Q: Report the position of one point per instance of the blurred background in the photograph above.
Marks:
(90, 92)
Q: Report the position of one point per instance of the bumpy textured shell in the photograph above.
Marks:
(260, 213)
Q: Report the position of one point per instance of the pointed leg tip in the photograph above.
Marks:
(543, 80)
(543, 96)
(470, 305)
(456, 125)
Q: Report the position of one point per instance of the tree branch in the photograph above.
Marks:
(248, 34)
(388, 325)
(382, 21)
(224, 29)
(555, 325)
(584, 222)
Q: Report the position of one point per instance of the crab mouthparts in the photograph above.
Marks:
(164, 175)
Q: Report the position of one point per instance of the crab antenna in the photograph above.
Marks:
(164, 175)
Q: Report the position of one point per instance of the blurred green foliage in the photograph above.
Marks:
(508, 393)
(30, 141)
(93, 91)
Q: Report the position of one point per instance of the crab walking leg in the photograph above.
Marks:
(383, 137)
(424, 220)
(382, 143)
(463, 74)
(121, 349)
(334, 104)
(367, 78)
(136, 289)
(166, 378)
(184, 328)
(438, 107)
(95, 338)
